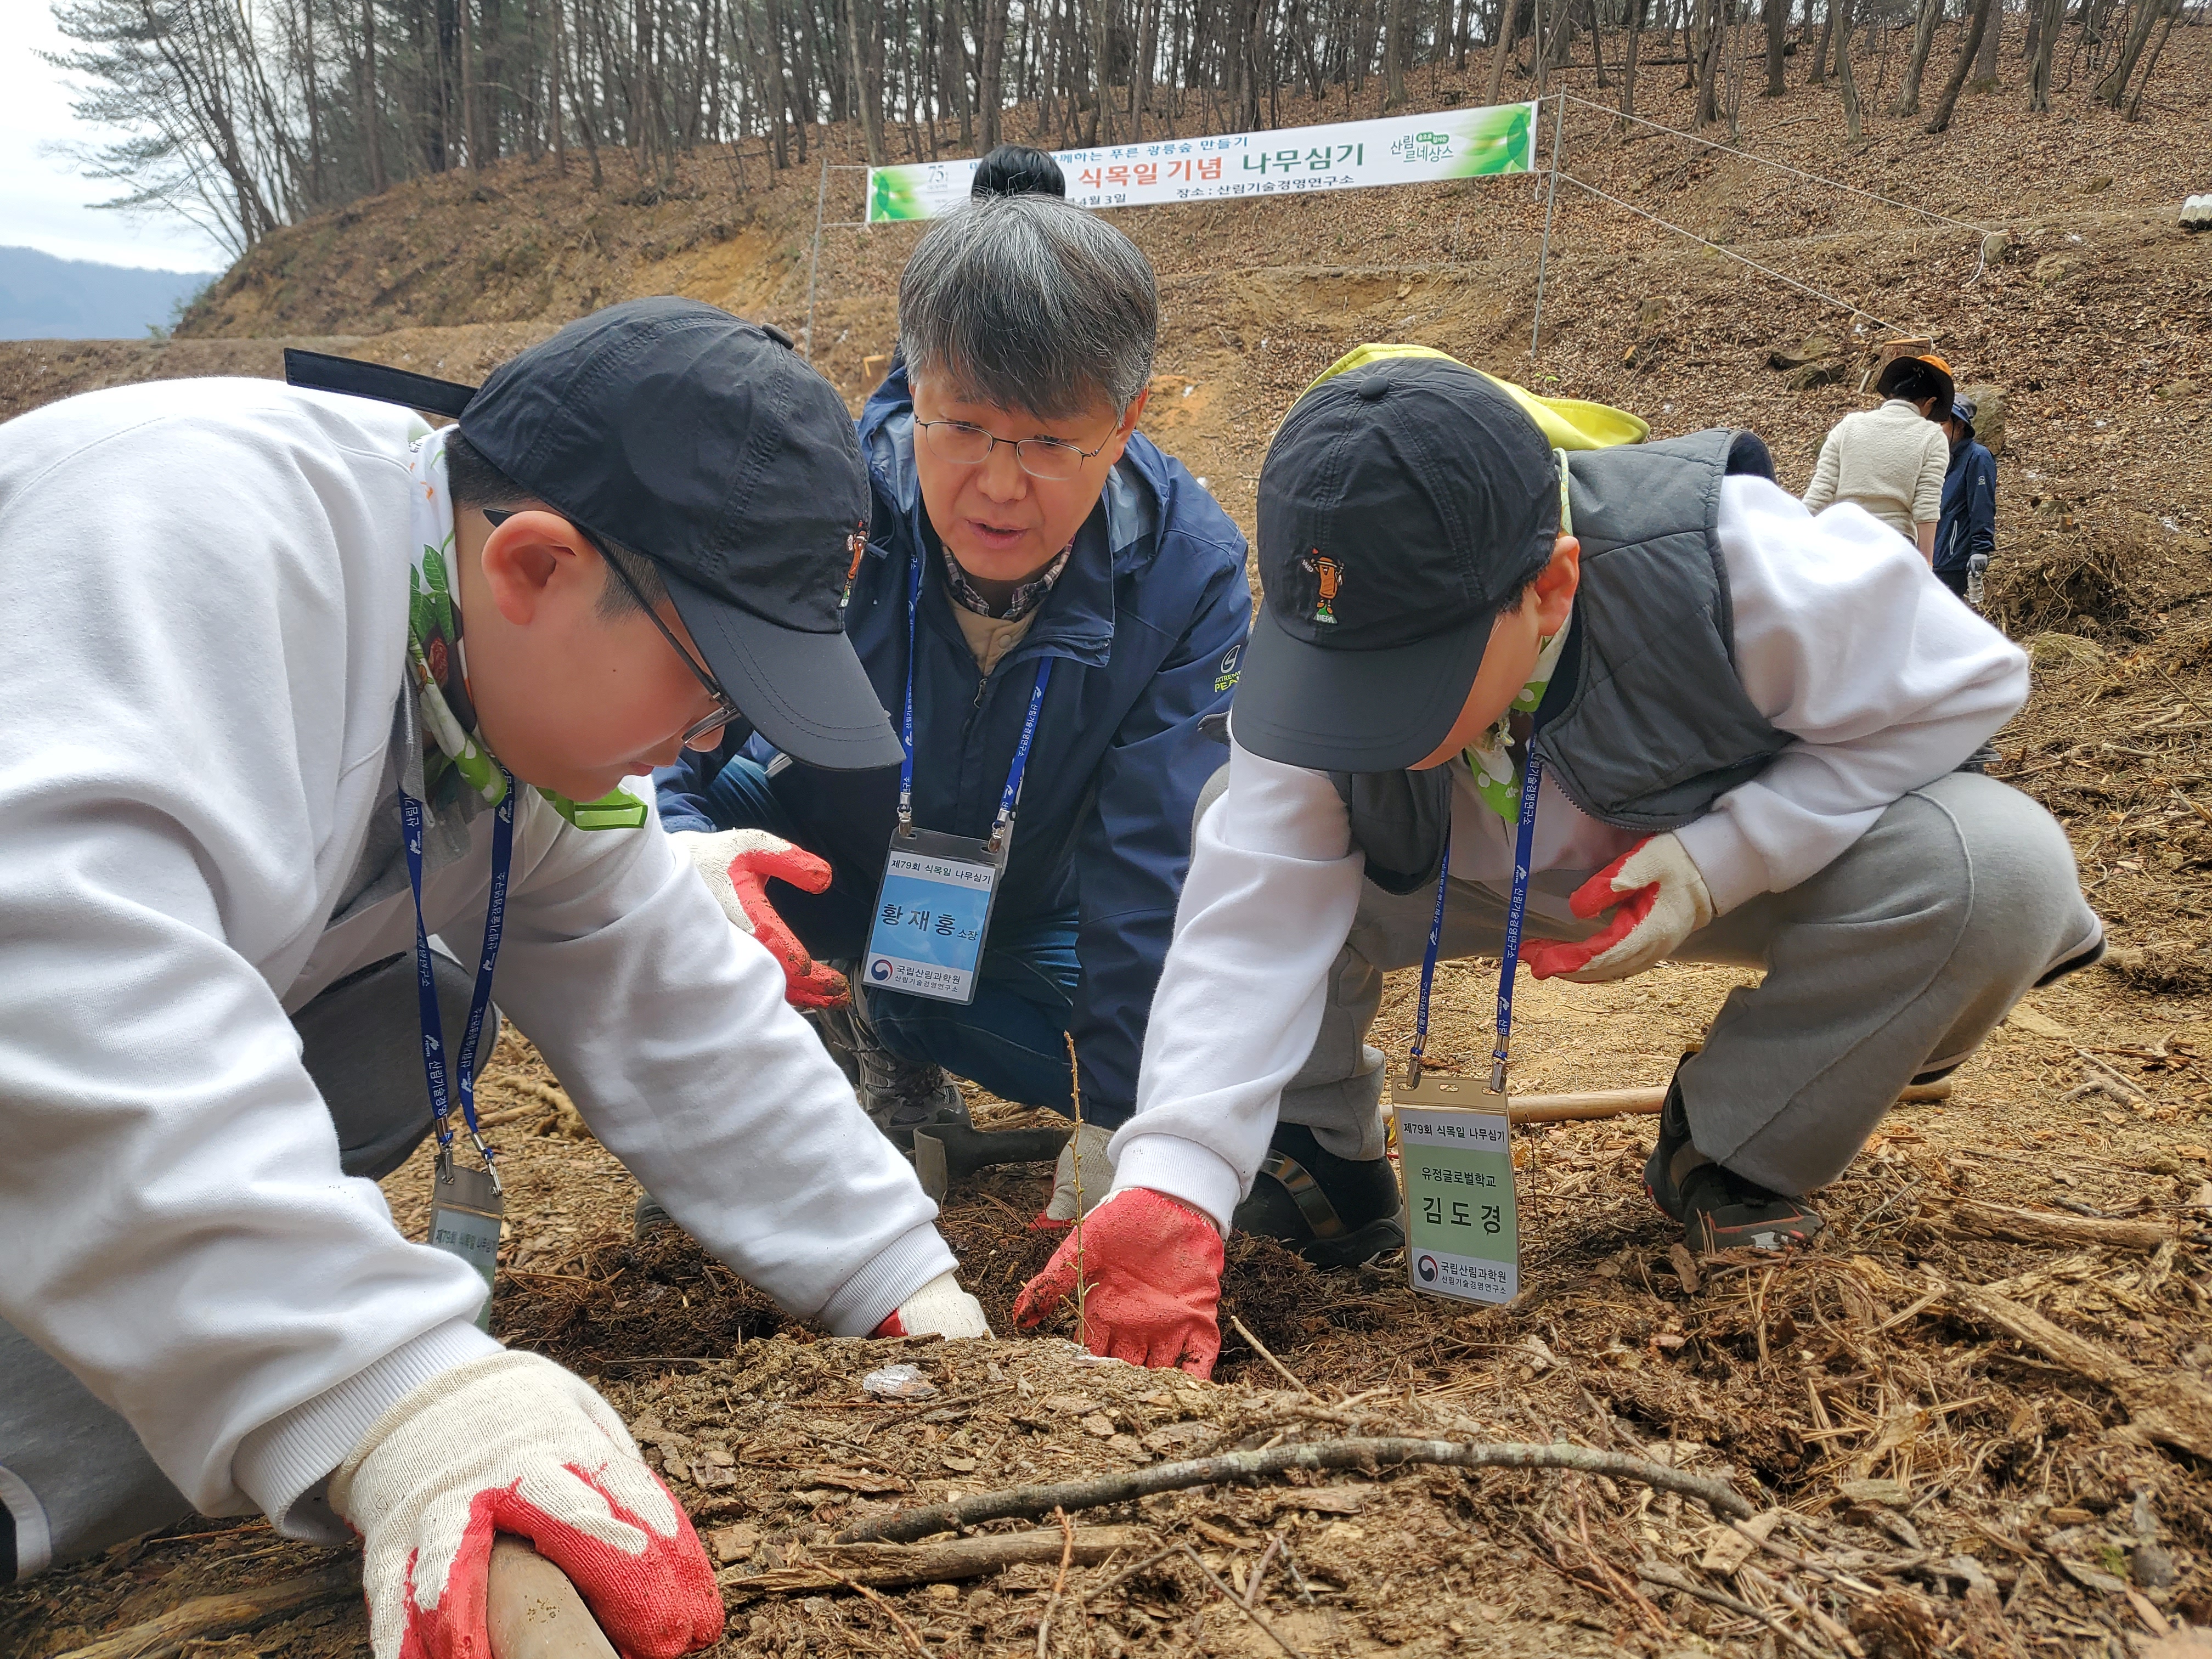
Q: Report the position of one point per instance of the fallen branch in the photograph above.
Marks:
(1651, 1572)
(208, 1617)
(2161, 1406)
(894, 1566)
(1234, 1468)
(1584, 1105)
(1067, 1556)
(2054, 1227)
(1249, 1611)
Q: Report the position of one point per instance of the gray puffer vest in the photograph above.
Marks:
(1645, 723)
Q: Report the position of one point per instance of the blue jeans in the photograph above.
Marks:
(1011, 1039)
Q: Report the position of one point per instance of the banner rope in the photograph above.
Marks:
(1769, 161)
(1780, 277)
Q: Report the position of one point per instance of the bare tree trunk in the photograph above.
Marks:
(2113, 88)
(1818, 75)
(2135, 103)
(371, 117)
(553, 95)
(2049, 15)
(1628, 70)
(1393, 54)
(1846, 79)
(1976, 22)
(863, 94)
(1509, 17)
(1985, 77)
(1776, 19)
(1708, 39)
(1597, 45)
(1916, 65)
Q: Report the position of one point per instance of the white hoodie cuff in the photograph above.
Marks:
(1196, 1175)
(1734, 869)
(877, 1291)
(281, 1465)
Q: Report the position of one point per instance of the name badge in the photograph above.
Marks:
(1456, 1156)
(932, 914)
(465, 1219)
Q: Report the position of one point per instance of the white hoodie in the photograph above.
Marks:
(1844, 640)
(206, 591)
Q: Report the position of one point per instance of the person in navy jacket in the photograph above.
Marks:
(1052, 538)
(1968, 529)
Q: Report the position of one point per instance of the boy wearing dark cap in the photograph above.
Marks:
(315, 684)
(1702, 725)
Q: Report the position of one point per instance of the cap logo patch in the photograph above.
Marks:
(1328, 577)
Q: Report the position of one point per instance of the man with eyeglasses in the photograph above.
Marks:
(316, 685)
(1050, 607)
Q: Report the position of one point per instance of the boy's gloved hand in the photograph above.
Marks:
(1152, 1281)
(734, 863)
(939, 1308)
(1661, 901)
(512, 1443)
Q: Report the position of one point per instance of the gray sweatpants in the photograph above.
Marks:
(73, 1477)
(1894, 961)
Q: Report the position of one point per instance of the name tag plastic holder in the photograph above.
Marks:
(1462, 1219)
(932, 911)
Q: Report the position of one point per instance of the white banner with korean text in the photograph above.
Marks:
(1460, 143)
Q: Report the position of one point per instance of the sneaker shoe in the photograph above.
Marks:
(1719, 1209)
(1335, 1212)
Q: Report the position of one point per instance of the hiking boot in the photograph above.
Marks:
(1335, 1212)
(1719, 1209)
(899, 1096)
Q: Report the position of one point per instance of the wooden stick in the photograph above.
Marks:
(1230, 1597)
(1261, 1348)
(208, 1617)
(906, 1525)
(533, 1612)
(1646, 1102)
(1059, 1582)
(2049, 1227)
(912, 1636)
(894, 1566)
(1651, 1572)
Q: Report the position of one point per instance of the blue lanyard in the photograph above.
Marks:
(426, 989)
(1012, 791)
(1516, 908)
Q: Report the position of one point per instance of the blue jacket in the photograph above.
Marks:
(1969, 523)
(1147, 623)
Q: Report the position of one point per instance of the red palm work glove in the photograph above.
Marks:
(734, 864)
(1152, 1281)
(1661, 901)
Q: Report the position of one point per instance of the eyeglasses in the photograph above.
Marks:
(1041, 457)
(725, 711)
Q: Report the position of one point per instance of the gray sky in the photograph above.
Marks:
(44, 203)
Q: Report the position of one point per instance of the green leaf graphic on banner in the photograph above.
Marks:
(897, 196)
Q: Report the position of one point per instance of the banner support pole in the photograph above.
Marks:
(822, 197)
(1550, 204)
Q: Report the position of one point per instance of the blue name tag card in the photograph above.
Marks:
(1456, 1156)
(932, 914)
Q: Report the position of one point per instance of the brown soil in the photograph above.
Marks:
(1980, 1497)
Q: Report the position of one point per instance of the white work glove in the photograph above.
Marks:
(734, 864)
(1662, 900)
(939, 1308)
(1084, 1155)
(512, 1443)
